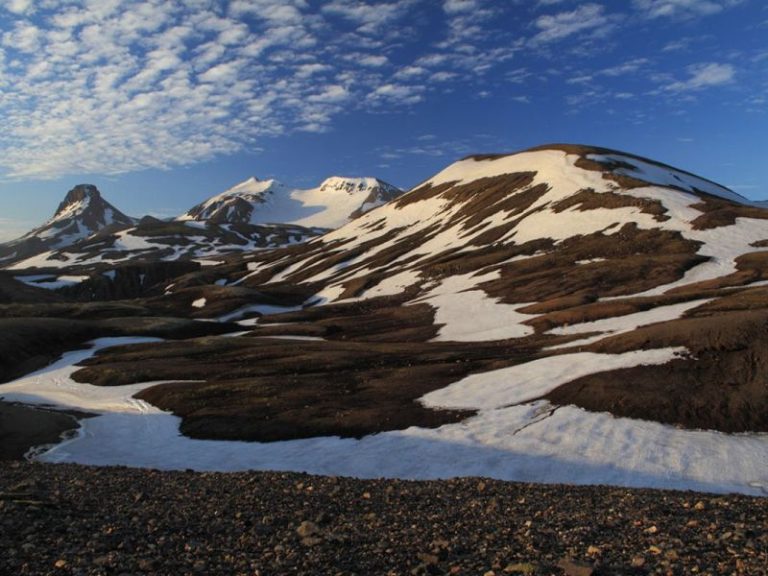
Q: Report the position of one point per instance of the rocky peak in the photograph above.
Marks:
(349, 185)
(84, 204)
(80, 195)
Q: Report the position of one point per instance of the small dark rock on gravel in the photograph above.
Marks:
(76, 520)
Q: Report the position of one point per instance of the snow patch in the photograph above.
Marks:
(532, 380)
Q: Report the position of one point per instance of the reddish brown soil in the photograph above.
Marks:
(266, 389)
(718, 212)
(634, 260)
(722, 385)
(591, 200)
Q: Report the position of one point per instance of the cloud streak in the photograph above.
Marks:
(586, 18)
(705, 75)
(683, 8)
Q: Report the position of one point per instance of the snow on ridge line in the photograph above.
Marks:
(665, 176)
(552, 162)
(555, 163)
(327, 206)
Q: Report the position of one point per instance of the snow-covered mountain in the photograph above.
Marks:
(563, 314)
(529, 204)
(334, 203)
(153, 240)
(568, 314)
(252, 215)
(83, 212)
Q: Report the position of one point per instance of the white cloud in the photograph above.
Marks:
(370, 17)
(411, 72)
(331, 94)
(586, 18)
(18, 6)
(459, 6)
(682, 8)
(287, 12)
(25, 37)
(705, 75)
(627, 67)
(582, 79)
(397, 93)
(442, 76)
(373, 60)
(113, 86)
(307, 70)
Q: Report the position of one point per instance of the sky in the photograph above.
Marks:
(164, 104)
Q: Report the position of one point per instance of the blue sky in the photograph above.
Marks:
(162, 104)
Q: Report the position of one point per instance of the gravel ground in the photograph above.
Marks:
(69, 519)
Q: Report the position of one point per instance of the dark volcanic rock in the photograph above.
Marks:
(28, 344)
(15, 291)
(66, 519)
(24, 427)
(129, 281)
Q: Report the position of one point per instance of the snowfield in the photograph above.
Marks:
(556, 170)
(531, 441)
(329, 206)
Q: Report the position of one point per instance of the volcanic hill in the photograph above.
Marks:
(563, 312)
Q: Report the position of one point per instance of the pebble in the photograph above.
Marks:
(90, 521)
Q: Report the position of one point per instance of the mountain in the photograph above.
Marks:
(82, 213)
(332, 204)
(253, 215)
(153, 240)
(531, 291)
(562, 314)
(237, 205)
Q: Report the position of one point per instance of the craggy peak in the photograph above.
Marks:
(81, 192)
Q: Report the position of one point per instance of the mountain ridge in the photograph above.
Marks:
(231, 222)
(334, 202)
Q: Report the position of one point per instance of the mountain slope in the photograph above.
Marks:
(536, 202)
(330, 205)
(564, 252)
(82, 213)
(153, 240)
(564, 314)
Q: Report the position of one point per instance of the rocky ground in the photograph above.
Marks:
(24, 427)
(68, 519)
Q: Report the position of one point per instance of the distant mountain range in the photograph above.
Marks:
(334, 203)
(86, 230)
